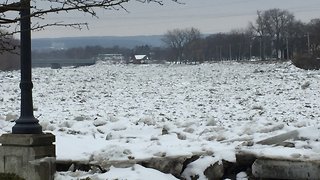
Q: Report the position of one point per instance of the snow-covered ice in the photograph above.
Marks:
(115, 112)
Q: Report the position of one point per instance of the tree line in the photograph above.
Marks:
(275, 34)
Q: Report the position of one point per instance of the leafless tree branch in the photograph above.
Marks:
(9, 16)
(66, 6)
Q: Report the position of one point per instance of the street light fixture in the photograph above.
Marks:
(27, 123)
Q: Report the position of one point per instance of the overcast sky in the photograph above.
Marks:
(209, 16)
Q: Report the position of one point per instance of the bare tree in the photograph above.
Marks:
(260, 28)
(196, 50)
(298, 39)
(174, 40)
(275, 23)
(9, 59)
(313, 36)
(193, 45)
(178, 41)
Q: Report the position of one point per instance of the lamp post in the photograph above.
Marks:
(287, 46)
(23, 151)
(230, 52)
(27, 123)
(308, 39)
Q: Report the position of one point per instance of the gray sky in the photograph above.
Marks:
(210, 16)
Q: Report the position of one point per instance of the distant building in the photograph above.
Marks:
(140, 59)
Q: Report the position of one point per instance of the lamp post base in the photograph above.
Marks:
(27, 126)
(30, 156)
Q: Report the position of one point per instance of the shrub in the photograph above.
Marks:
(9, 61)
(306, 61)
(9, 53)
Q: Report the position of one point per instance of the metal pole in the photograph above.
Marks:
(287, 42)
(230, 52)
(27, 123)
(220, 53)
(240, 58)
(308, 38)
(250, 51)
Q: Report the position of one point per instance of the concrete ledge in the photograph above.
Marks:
(26, 139)
(285, 169)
